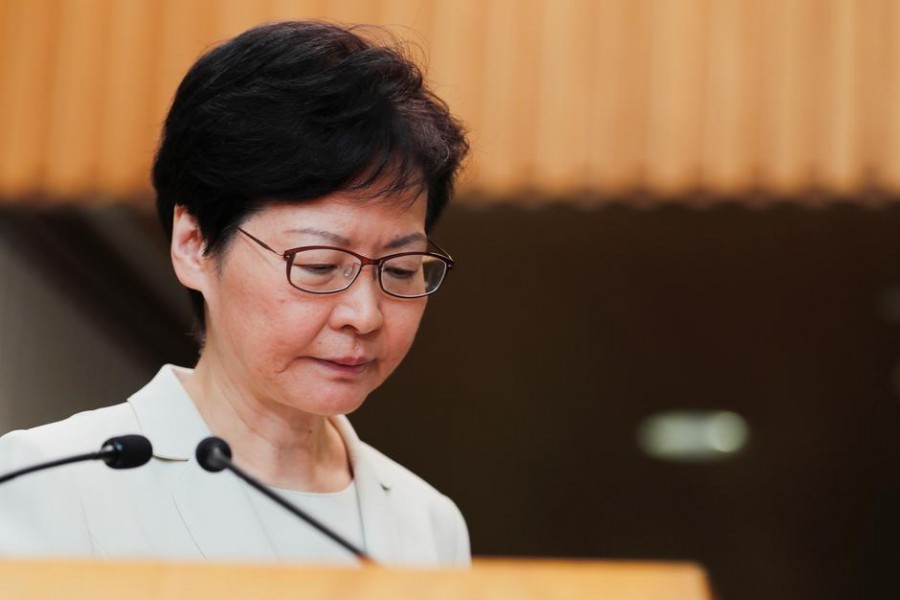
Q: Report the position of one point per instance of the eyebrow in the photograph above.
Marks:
(331, 237)
(406, 239)
(342, 241)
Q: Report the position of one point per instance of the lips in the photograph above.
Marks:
(346, 365)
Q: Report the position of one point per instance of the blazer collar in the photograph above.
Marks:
(167, 415)
(207, 501)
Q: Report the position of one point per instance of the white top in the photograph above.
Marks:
(293, 539)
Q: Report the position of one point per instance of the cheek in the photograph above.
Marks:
(403, 320)
(264, 326)
(287, 324)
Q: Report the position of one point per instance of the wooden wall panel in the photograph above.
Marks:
(576, 100)
(28, 41)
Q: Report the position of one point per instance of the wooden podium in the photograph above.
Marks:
(488, 579)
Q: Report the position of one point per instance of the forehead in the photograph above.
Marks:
(348, 215)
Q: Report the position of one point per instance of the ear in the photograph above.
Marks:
(191, 265)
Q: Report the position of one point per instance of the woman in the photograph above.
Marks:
(300, 169)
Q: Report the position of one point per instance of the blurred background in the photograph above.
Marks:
(674, 332)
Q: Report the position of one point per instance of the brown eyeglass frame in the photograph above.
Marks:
(288, 256)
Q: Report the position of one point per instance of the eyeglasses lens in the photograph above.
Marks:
(323, 271)
(412, 275)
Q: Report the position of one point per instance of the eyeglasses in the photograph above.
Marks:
(327, 270)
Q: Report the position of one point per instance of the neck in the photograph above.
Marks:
(283, 446)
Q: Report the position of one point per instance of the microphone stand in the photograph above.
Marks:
(53, 463)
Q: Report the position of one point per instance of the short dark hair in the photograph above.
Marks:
(294, 111)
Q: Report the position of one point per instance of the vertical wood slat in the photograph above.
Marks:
(455, 60)
(748, 160)
(127, 103)
(351, 11)
(186, 30)
(632, 130)
(560, 160)
(565, 99)
(234, 16)
(505, 147)
(27, 42)
(787, 88)
(675, 94)
(872, 88)
(605, 91)
(725, 150)
(887, 165)
(79, 68)
(844, 160)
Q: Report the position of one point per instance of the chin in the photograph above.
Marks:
(325, 396)
(330, 405)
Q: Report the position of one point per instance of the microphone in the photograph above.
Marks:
(122, 452)
(214, 455)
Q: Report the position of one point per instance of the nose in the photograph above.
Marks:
(359, 306)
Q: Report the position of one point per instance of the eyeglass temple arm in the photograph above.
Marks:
(261, 243)
(444, 252)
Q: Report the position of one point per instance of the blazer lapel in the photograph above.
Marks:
(383, 542)
(215, 507)
(217, 511)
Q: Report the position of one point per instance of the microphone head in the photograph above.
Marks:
(213, 454)
(127, 451)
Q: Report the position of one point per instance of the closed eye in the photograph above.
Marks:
(317, 269)
(398, 273)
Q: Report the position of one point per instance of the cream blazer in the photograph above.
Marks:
(172, 509)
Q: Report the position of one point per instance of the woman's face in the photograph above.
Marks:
(321, 354)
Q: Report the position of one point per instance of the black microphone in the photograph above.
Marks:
(214, 455)
(122, 452)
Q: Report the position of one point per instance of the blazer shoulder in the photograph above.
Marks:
(42, 514)
(82, 432)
